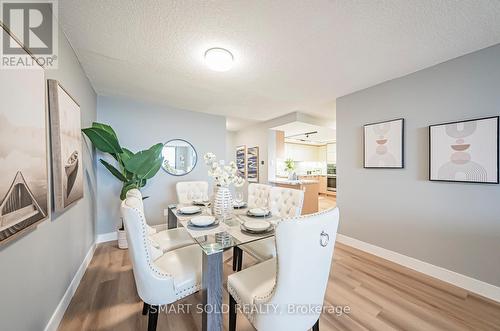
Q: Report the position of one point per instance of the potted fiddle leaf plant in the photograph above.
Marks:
(132, 169)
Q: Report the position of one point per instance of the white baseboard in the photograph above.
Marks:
(105, 237)
(58, 314)
(470, 284)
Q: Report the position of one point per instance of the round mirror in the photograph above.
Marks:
(179, 157)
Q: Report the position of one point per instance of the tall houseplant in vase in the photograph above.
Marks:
(223, 176)
(133, 169)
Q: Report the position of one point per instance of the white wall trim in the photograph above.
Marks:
(58, 314)
(105, 237)
(470, 284)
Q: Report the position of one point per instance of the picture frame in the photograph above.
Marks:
(383, 145)
(66, 142)
(454, 157)
(24, 185)
(241, 156)
(253, 164)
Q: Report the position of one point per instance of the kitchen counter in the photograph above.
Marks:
(310, 188)
(311, 175)
(293, 182)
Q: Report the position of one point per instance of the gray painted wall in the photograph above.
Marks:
(451, 225)
(37, 269)
(140, 125)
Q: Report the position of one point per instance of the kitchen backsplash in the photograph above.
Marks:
(302, 168)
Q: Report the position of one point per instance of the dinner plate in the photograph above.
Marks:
(257, 226)
(247, 231)
(258, 212)
(203, 220)
(189, 210)
(201, 202)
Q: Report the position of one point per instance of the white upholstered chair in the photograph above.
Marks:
(262, 284)
(185, 189)
(162, 241)
(258, 195)
(283, 203)
(172, 276)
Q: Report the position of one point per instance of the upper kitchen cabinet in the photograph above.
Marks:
(302, 152)
(322, 153)
(331, 153)
(280, 145)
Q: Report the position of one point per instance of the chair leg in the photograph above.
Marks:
(153, 318)
(240, 259)
(232, 313)
(145, 309)
(316, 326)
(235, 257)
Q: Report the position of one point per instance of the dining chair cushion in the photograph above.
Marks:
(254, 282)
(171, 239)
(184, 265)
(155, 252)
(261, 250)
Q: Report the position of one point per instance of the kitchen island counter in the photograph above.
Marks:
(310, 188)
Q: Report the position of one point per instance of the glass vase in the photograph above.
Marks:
(223, 204)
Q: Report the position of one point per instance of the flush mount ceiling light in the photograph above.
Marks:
(219, 59)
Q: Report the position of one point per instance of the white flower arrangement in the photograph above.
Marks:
(223, 175)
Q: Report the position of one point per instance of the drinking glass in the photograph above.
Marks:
(206, 203)
(238, 197)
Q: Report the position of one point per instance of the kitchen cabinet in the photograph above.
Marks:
(331, 153)
(322, 153)
(311, 201)
(322, 181)
(323, 184)
(280, 145)
(300, 152)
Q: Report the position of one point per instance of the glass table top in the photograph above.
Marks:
(227, 233)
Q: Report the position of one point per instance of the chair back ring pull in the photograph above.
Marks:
(324, 239)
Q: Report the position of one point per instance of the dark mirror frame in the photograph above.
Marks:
(195, 153)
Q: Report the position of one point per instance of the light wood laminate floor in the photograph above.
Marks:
(326, 201)
(381, 296)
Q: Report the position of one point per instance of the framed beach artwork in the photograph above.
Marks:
(464, 151)
(65, 131)
(253, 164)
(241, 156)
(23, 150)
(383, 145)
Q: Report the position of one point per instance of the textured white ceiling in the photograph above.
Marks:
(290, 55)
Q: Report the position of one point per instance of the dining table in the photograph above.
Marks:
(213, 240)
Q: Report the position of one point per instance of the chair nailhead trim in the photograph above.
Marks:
(146, 248)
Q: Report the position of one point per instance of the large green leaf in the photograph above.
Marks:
(126, 155)
(114, 171)
(145, 164)
(106, 128)
(103, 140)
